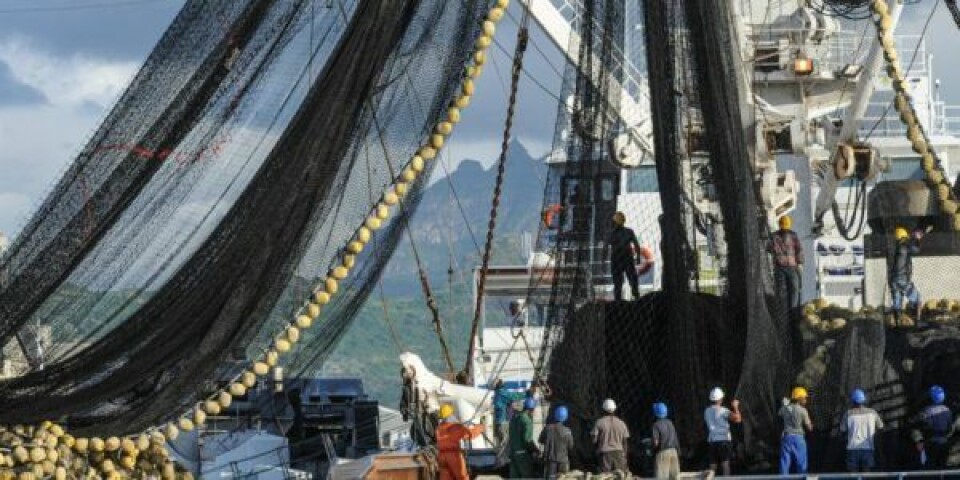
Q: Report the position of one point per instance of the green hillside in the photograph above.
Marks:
(441, 235)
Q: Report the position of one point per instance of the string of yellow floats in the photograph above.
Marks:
(933, 171)
(47, 450)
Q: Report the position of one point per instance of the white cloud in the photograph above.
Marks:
(38, 141)
(74, 81)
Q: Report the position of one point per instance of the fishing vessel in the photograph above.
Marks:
(167, 308)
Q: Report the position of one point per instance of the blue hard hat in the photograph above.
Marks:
(660, 410)
(858, 397)
(561, 414)
(529, 403)
(937, 395)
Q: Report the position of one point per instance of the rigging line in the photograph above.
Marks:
(529, 76)
(463, 213)
(424, 280)
(521, 46)
(536, 46)
(371, 198)
(913, 58)
(496, 68)
(86, 6)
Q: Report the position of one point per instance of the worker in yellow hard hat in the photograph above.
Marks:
(796, 422)
(900, 272)
(450, 434)
(788, 262)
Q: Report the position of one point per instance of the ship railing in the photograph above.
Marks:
(940, 474)
(774, 46)
(881, 122)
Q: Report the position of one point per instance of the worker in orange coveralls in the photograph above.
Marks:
(449, 435)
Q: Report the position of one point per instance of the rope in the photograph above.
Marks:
(421, 272)
(522, 37)
(954, 11)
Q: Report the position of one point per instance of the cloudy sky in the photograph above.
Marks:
(63, 62)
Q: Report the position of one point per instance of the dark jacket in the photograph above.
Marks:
(619, 242)
(900, 267)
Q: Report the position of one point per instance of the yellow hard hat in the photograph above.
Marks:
(901, 233)
(446, 410)
(798, 393)
(786, 222)
(619, 218)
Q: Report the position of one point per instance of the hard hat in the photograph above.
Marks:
(858, 397)
(609, 405)
(937, 395)
(901, 233)
(798, 393)
(716, 394)
(786, 222)
(529, 403)
(446, 411)
(660, 410)
(561, 414)
(619, 218)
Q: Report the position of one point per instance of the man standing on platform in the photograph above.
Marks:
(788, 262)
(623, 246)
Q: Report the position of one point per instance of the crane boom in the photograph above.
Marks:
(851, 121)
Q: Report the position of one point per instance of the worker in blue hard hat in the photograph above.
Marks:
(936, 420)
(523, 450)
(900, 273)
(665, 444)
(557, 441)
(861, 424)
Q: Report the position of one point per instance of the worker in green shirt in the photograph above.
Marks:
(522, 447)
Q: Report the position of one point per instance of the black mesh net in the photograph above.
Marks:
(715, 319)
(216, 194)
(677, 342)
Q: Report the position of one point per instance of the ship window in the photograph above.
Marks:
(642, 180)
(904, 168)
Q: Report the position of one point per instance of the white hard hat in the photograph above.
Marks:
(609, 405)
(716, 394)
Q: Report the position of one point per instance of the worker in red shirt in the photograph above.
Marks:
(450, 434)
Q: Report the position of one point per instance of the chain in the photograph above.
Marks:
(522, 37)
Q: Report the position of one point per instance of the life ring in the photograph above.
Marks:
(549, 215)
(645, 260)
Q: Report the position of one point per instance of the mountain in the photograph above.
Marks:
(440, 234)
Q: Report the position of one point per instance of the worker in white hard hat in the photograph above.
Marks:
(610, 436)
(718, 419)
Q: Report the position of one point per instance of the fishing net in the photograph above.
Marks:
(713, 318)
(210, 224)
(692, 332)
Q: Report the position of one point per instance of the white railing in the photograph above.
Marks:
(830, 54)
